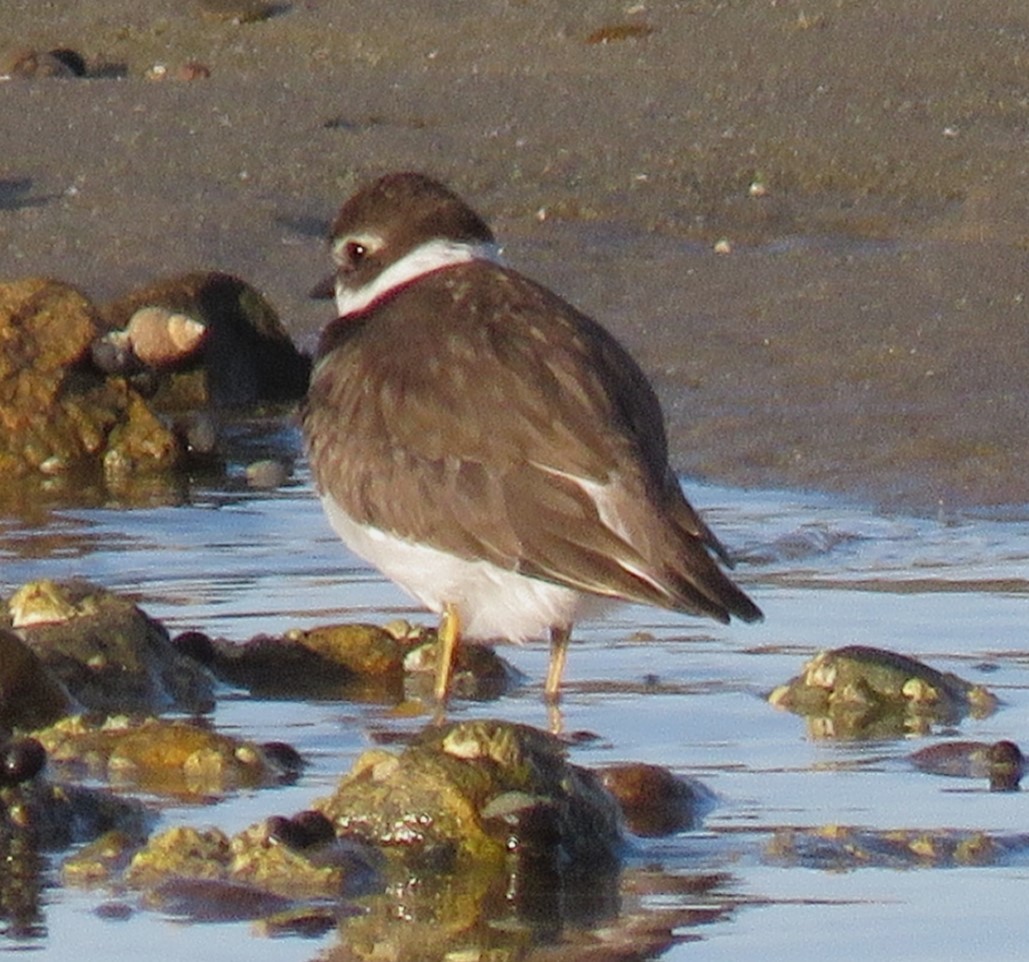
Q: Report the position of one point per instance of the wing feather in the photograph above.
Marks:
(494, 421)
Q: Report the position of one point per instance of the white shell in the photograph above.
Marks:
(160, 336)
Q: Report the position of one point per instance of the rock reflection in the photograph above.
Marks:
(638, 913)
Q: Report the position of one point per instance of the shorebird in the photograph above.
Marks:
(488, 447)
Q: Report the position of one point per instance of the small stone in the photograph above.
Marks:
(1002, 762)
(654, 801)
(36, 64)
(267, 474)
(193, 70)
(112, 353)
(615, 32)
(20, 760)
(201, 434)
(238, 11)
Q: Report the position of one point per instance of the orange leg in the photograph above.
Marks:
(448, 634)
(560, 635)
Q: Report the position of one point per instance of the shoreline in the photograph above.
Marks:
(868, 334)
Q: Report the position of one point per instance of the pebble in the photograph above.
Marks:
(61, 62)
(238, 11)
(20, 760)
(267, 474)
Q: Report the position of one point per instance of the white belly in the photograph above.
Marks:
(492, 603)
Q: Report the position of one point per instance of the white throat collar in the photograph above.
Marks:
(424, 259)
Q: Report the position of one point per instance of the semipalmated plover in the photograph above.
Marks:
(487, 446)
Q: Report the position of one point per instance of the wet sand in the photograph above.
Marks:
(868, 334)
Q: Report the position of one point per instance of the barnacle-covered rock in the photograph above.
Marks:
(478, 792)
(108, 653)
(840, 847)
(299, 863)
(862, 692)
(255, 860)
(165, 757)
(57, 412)
(101, 859)
(183, 852)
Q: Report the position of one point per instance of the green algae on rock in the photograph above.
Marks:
(863, 692)
(478, 792)
(106, 651)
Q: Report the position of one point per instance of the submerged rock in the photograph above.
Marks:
(255, 861)
(166, 757)
(861, 692)
(107, 652)
(838, 847)
(479, 836)
(52, 816)
(355, 661)
(479, 792)
(1002, 762)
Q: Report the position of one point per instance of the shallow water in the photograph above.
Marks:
(953, 591)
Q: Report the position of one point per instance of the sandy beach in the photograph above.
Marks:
(808, 221)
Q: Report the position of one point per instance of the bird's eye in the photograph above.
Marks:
(350, 250)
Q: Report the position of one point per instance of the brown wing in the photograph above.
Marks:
(488, 418)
